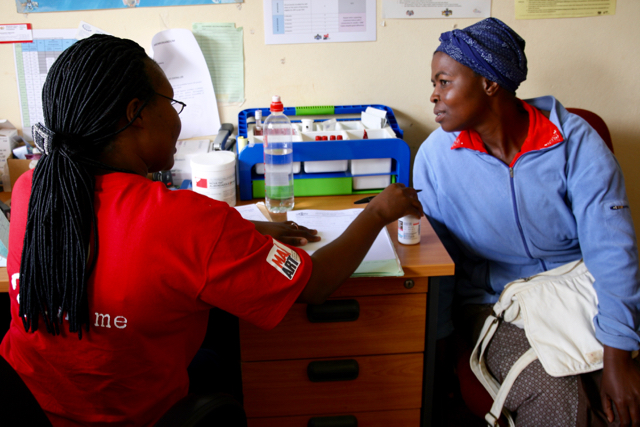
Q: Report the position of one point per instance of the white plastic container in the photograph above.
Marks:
(409, 230)
(365, 166)
(260, 168)
(320, 166)
(214, 175)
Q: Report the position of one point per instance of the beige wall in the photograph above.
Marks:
(591, 63)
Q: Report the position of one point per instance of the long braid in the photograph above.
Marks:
(84, 98)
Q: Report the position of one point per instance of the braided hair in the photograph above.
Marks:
(84, 97)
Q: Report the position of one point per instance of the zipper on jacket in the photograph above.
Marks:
(517, 217)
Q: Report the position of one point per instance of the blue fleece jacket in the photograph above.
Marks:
(555, 205)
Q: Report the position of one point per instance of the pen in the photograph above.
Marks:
(370, 198)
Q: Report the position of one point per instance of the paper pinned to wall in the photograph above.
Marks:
(222, 47)
(319, 21)
(33, 61)
(527, 9)
(416, 9)
(180, 57)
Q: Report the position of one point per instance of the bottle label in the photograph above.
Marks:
(409, 230)
(217, 186)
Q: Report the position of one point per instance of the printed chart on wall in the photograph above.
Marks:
(416, 9)
(533, 9)
(319, 21)
(33, 61)
(32, 6)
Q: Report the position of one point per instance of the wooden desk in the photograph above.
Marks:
(389, 349)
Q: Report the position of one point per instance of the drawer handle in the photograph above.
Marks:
(340, 421)
(333, 370)
(342, 310)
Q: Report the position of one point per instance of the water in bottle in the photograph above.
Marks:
(278, 159)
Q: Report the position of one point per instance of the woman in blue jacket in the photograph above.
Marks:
(514, 188)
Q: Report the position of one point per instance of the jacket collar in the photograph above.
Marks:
(543, 132)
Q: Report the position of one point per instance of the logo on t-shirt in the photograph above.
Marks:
(285, 260)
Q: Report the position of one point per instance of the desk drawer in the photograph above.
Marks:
(404, 418)
(385, 324)
(283, 388)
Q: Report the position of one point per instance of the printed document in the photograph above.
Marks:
(381, 260)
(180, 57)
(536, 9)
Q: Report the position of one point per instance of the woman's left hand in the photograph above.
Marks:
(620, 387)
(287, 232)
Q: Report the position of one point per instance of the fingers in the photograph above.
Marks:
(297, 235)
(293, 241)
(634, 412)
(294, 227)
(608, 410)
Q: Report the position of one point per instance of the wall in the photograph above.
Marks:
(590, 63)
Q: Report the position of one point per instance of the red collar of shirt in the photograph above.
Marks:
(542, 134)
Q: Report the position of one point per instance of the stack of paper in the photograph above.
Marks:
(381, 260)
(373, 118)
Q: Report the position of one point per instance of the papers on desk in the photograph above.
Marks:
(381, 260)
(254, 212)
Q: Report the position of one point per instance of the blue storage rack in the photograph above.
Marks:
(394, 148)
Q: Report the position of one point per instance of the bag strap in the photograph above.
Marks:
(477, 360)
(498, 402)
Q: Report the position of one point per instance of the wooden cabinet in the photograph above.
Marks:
(364, 357)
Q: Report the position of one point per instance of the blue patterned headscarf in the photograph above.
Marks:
(491, 49)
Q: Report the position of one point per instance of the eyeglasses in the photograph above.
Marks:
(177, 105)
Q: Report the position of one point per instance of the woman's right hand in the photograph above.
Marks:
(395, 202)
(336, 262)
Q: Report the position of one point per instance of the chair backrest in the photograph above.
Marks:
(596, 122)
(17, 404)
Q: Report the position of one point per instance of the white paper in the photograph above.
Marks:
(13, 33)
(251, 213)
(87, 30)
(178, 54)
(381, 258)
(370, 121)
(412, 9)
(319, 21)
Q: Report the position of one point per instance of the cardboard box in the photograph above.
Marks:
(17, 167)
(8, 140)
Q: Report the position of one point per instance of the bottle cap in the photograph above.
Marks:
(258, 114)
(276, 105)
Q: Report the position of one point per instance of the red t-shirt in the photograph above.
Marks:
(165, 258)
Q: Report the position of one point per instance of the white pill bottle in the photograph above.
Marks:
(409, 230)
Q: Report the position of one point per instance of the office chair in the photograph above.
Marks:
(475, 396)
(18, 407)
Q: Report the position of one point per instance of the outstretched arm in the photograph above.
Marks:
(336, 262)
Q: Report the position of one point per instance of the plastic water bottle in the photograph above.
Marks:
(278, 159)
